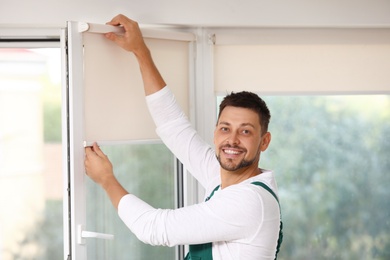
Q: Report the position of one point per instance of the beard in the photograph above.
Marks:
(230, 166)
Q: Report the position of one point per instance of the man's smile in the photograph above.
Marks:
(232, 152)
(229, 151)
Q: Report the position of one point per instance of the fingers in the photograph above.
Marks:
(112, 36)
(127, 40)
(132, 39)
(116, 21)
(96, 162)
(94, 150)
(97, 150)
(129, 25)
(118, 39)
(120, 19)
(88, 151)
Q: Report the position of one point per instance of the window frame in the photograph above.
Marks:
(73, 48)
(24, 37)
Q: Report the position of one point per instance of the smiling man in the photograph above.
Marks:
(240, 217)
(240, 136)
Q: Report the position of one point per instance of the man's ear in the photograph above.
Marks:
(265, 140)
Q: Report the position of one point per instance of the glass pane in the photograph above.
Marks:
(331, 159)
(31, 183)
(146, 170)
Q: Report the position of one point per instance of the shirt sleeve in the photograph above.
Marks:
(177, 133)
(235, 213)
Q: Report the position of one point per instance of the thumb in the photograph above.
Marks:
(112, 36)
(117, 38)
(97, 150)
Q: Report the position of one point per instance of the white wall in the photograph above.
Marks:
(345, 13)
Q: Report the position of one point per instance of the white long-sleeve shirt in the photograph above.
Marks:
(241, 220)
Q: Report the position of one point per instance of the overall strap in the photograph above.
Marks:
(212, 193)
(259, 183)
(280, 239)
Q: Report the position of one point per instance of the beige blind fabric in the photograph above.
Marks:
(115, 108)
(282, 62)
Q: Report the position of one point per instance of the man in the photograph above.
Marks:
(240, 218)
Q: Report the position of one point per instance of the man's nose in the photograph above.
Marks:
(233, 139)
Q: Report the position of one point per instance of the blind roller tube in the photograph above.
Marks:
(146, 32)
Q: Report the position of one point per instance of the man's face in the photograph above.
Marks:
(237, 138)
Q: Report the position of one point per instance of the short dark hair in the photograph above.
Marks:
(245, 99)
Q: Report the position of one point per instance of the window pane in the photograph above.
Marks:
(146, 170)
(331, 159)
(30, 154)
(330, 155)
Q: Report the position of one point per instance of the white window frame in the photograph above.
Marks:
(24, 37)
(72, 43)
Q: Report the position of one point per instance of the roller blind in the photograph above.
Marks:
(115, 108)
(292, 61)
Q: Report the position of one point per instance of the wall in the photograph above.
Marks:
(322, 13)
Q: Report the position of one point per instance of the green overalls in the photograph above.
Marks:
(204, 252)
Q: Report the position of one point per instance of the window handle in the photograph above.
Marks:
(83, 234)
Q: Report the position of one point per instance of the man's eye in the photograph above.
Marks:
(224, 129)
(245, 131)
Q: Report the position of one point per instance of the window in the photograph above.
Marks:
(106, 104)
(31, 183)
(331, 158)
(152, 182)
(330, 155)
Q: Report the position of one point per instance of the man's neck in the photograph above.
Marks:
(234, 177)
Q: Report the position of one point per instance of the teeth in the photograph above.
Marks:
(231, 152)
